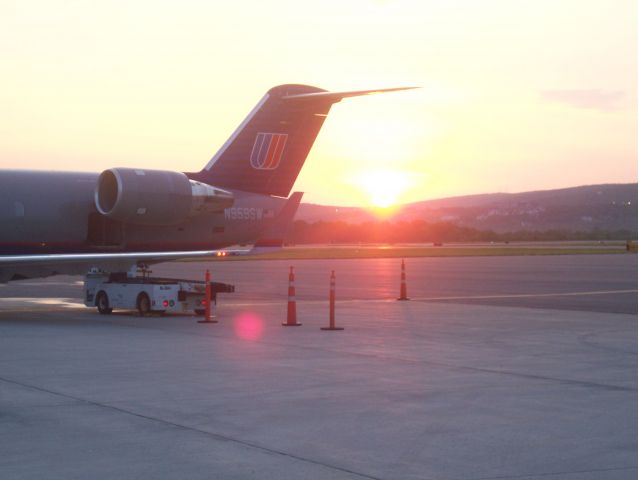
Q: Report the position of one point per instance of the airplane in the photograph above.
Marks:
(56, 222)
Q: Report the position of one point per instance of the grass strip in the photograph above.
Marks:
(321, 253)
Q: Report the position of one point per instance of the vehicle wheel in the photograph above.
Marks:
(102, 303)
(143, 304)
(200, 311)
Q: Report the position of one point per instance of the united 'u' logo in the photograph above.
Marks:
(267, 150)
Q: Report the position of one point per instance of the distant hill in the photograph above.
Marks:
(585, 208)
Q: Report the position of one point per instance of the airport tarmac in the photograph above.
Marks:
(498, 368)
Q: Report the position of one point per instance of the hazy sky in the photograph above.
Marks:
(517, 95)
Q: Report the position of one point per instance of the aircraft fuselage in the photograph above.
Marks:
(54, 212)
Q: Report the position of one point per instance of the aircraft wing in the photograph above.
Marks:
(97, 258)
(16, 267)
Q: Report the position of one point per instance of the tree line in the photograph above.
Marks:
(420, 231)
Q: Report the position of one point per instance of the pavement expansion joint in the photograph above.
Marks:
(554, 474)
(531, 376)
(207, 433)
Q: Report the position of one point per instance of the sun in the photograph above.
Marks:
(383, 199)
(384, 188)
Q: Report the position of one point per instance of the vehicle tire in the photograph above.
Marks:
(143, 304)
(102, 303)
(200, 311)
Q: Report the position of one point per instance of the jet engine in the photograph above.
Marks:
(155, 197)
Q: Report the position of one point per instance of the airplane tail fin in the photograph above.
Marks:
(273, 237)
(266, 152)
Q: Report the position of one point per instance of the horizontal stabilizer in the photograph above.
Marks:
(334, 97)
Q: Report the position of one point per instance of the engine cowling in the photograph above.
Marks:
(155, 197)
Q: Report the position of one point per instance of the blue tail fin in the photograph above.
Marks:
(266, 152)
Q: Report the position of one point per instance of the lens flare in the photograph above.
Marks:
(248, 326)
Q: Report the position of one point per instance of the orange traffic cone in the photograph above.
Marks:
(332, 305)
(404, 289)
(291, 320)
(208, 315)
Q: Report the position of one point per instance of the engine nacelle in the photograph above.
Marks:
(155, 197)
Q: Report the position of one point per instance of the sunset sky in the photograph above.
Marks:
(516, 95)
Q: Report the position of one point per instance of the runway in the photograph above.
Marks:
(498, 368)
